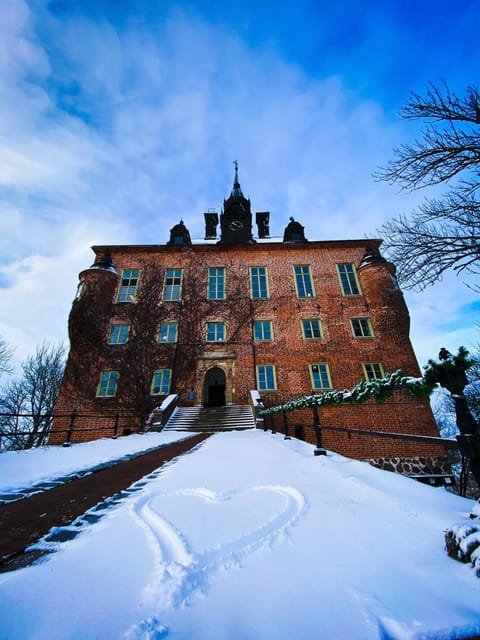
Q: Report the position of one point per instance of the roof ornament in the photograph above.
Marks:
(236, 191)
(104, 262)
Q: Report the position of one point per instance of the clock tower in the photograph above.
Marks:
(236, 218)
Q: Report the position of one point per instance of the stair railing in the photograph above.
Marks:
(162, 414)
(257, 405)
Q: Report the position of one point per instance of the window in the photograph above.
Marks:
(348, 279)
(107, 387)
(303, 281)
(215, 331)
(361, 327)
(266, 378)
(81, 286)
(172, 285)
(216, 283)
(128, 285)
(320, 375)
(372, 370)
(312, 329)
(168, 332)
(258, 283)
(118, 334)
(262, 330)
(161, 382)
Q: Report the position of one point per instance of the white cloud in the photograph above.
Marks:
(39, 289)
(112, 135)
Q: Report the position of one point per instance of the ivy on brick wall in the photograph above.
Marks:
(384, 388)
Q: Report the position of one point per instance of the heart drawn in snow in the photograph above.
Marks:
(201, 528)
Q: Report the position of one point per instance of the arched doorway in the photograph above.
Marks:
(214, 388)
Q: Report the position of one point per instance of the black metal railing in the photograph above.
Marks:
(76, 423)
(280, 422)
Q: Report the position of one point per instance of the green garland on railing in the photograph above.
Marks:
(383, 388)
(380, 390)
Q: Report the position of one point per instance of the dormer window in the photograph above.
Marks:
(294, 232)
(179, 236)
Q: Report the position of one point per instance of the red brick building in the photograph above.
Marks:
(238, 311)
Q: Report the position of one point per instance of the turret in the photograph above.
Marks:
(382, 293)
(96, 290)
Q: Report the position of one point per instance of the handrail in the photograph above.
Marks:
(162, 414)
(446, 442)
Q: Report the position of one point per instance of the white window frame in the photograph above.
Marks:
(216, 326)
(373, 368)
(119, 333)
(172, 292)
(304, 332)
(323, 371)
(364, 325)
(257, 277)
(161, 381)
(217, 280)
(263, 377)
(127, 291)
(303, 281)
(108, 384)
(263, 323)
(349, 283)
(170, 327)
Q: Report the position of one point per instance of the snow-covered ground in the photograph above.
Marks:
(249, 537)
(21, 469)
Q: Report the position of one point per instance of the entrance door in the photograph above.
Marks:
(214, 388)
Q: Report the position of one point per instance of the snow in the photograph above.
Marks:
(21, 469)
(249, 537)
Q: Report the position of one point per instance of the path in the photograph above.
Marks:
(24, 522)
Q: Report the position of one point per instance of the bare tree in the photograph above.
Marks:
(6, 354)
(444, 233)
(31, 399)
(13, 424)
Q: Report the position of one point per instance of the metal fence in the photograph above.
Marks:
(299, 429)
(109, 424)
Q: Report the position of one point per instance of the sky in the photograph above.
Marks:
(272, 542)
(120, 118)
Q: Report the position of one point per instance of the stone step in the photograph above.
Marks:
(211, 419)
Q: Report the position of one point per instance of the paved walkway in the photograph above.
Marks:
(24, 522)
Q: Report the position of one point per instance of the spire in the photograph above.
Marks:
(236, 191)
(236, 217)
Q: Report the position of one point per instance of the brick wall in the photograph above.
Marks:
(380, 301)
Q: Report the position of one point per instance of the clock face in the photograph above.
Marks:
(235, 225)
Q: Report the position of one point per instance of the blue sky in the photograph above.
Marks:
(120, 118)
